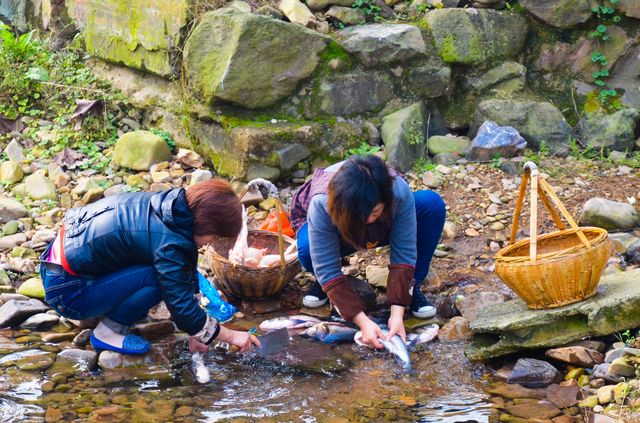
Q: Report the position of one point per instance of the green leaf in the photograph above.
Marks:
(595, 9)
(37, 74)
(600, 83)
(604, 72)
(596, 75)
(617, 19)
(601, 29)
(605, 37)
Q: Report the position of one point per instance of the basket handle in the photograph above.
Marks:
(280, 238)
(539, 186)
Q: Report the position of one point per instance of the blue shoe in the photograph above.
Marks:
(133, 344)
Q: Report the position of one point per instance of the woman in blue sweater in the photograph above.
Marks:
(360, 204)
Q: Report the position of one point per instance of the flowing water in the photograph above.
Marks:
(310, 382)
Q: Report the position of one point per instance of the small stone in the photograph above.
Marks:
(200, 175)
(39, 187)
(471, 232)
(157, 187)
(574, 374)
(53, 415)
(10, 228)
(433, 179)
(14, 151)
(579, 356)
(540, 410)
(183, 411)
(613, 354)
(621, 367)
(621, 392)
(12, 241)
(605, 394)
(32, 288)
(82, 338)
(377, 275)
(497, 226)
(92, 195)
(563, 396)
(11, 172)
(492, 210)
(161, 176)
(110, 360)
(455, 329)
(154, 330)
(43, 235)
(11, 209)
(268, 204)
(589, 402)
(533, 373)
(14, 312)
(56, 338)
(40, 321)
(449, 230)
(85, 359)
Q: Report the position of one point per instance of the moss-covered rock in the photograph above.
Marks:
(447, 144)
(476, 36)
(249, 60)
(142, 34)
(561, 14)
(32, 288)
(610, 215)
(403, 133)
(537, 122)
(11, 172)
(39, 187)
(617, 131)
(508, 77)
(630, 8)
(138, 150)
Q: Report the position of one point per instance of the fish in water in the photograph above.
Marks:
(295, 324)
(424, 335)
(395, 346)
(199, 369)
(330, 333)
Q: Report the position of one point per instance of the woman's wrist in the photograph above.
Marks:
(225, 335)
(397, 312)
(361, 319)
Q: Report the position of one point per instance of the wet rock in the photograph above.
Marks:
(32, 288)
(513, 391)
(590, 344)
(538, 410)
(403, 133)
(217, 61)
(40, 321)
(533, 373)
(469, 305)
(446, 307)
(563, 396)
(11, 172)
(476, 37)
(154, 330)
(35, 362)
(53, 415)
(81, 358)
(535, 121)
(377, 275)
(622, 367)
(11, 210)
(610, 215)
(493, 139)
(58, 337)
(379, 45)
(602, 371)
(617, 131)
(561, 14)
(438, 144)
(39, 187)
(110, 360)
(14, 312)
(82, 338)
(139, 150)
(578, 356)
(613, 354)
(355, 92)
(455, 329)
(6, 296)
(498, 329)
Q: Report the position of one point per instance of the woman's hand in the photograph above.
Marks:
(197, 346)
(396, 324)
(370, 331)
(242, 340)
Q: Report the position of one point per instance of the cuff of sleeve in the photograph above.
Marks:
(344, 298)
(399, 284)
(209, 332)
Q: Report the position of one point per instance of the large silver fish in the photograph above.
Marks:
(422, 336)
(294, 324)
(330, 333)
(199, 369)
(395, 346)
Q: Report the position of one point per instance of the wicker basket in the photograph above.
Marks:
(254, 282)
(558, 268)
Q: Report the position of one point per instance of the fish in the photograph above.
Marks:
(199, 369)
(424, 335)
(395, 346)
(330, 333)
(295, 324)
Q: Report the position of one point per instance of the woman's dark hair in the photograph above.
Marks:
(359, 184)
(216, 208)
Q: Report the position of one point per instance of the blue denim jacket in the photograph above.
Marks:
(324, 237)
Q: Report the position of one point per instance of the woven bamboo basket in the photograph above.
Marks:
(558, 268)
(251, 282)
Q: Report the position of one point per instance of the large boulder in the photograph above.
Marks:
(248, 59)
(355, 92)
(617, 131)
(476, 36)
(626, 78)
(380, 45)
(561, 14)
(429, 79)
(536, 122)
(532, 373)
(141, 34)
(438, 144)
(609, 215)
(403, 134)
(15, 13)
(138, 150)
(508, 77)
(14, 312)
(11, 209)
(511, 326)
(493, 139)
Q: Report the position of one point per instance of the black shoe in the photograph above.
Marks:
(420, 305)
(315, 297)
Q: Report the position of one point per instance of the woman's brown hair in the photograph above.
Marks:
(216, 208)
(359, 184)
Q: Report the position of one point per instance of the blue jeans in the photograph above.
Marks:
(430, 218)
(124, 296)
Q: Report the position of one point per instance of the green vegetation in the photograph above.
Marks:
(626, 337)
(607, 97)
(56, 96)
(370, 8)
(363, 149)
(423, 165)
(166, 136)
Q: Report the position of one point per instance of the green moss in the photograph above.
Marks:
(335, 51)
(448, 51)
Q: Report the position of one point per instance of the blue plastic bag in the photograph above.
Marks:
(216, 307)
